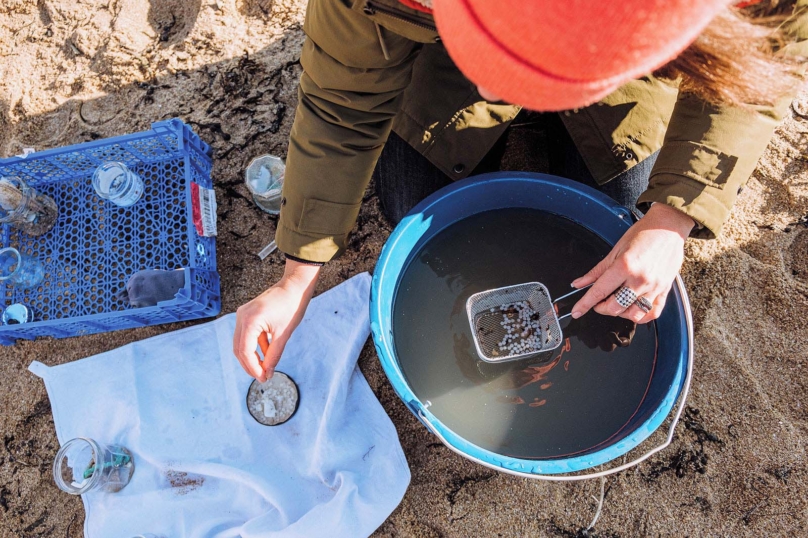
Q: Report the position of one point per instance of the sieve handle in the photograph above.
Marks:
(267, 250)
(573, 292)
(570, 478)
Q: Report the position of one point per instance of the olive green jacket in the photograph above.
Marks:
(375, 65)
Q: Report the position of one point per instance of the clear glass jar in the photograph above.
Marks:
(16, 314)
(20, 270)
(24, 208)
(264, 179)
(114, 181)
(84, 465)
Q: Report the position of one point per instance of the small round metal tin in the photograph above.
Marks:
(274, 402)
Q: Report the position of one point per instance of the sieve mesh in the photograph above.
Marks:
(525, 309)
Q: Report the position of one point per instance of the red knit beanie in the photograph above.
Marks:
(563, 54)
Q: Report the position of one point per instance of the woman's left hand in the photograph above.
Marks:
(646, 260)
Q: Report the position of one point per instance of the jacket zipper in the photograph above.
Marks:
(372, 8)
(381, 41)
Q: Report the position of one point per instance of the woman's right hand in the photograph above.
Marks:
(269, 320)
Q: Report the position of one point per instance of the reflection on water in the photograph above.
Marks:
(562, 402)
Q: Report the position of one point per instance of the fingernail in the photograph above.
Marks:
(576, 314)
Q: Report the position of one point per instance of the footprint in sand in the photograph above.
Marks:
(255, 8)
(173, 20)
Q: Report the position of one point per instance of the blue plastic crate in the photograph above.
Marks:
(96, 246)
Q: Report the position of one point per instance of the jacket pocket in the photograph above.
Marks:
(406, 22)
(327, 218)
(696, 161)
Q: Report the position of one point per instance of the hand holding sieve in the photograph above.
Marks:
(515, 322)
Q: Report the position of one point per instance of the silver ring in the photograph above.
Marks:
(644, 304)
(625, 296)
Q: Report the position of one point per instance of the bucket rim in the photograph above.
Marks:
(396, 251)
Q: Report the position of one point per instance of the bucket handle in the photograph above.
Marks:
(607, 472)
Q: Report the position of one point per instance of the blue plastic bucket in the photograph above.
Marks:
(588, 208)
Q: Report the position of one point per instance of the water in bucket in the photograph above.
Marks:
(570, 401)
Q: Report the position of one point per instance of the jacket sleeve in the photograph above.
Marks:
(349, 93)
(707, 157)
(710, 152)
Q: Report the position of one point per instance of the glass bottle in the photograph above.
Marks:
(264, 179)
(24, 208)
(84, 465)
(115, 182)
(19, 269)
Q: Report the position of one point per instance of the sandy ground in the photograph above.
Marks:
(77, 70)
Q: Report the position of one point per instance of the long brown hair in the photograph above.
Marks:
(737, 60)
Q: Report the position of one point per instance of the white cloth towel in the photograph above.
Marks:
(178, 403)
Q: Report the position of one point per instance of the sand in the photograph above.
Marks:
(77, 70)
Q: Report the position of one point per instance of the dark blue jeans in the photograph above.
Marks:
(533, 143)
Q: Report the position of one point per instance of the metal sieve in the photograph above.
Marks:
(515, 322)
